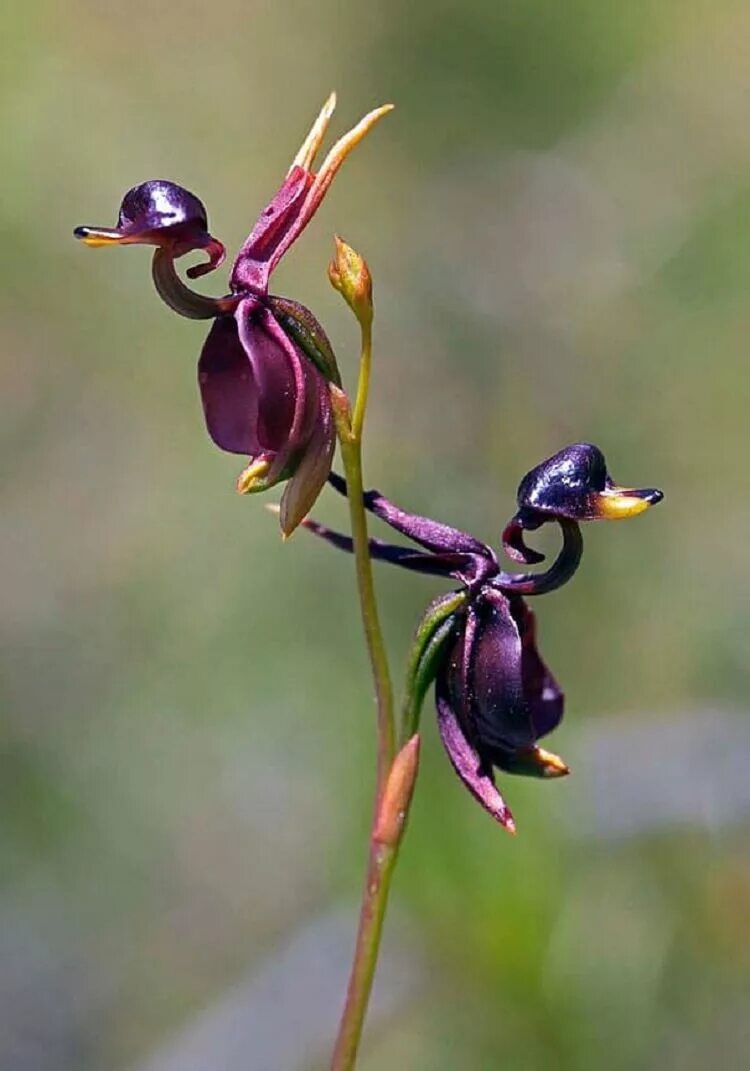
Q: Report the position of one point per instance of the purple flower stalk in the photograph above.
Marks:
(265, 365)
(494, 694)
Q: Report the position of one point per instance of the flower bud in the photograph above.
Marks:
(399, 787)
(350, 275)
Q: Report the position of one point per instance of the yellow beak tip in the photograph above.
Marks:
(95, 237)
(618, 504)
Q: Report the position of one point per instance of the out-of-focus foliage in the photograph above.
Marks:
(556, 218)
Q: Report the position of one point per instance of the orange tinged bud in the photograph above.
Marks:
(397, 794)
(350, 275)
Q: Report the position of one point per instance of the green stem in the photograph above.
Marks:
(432, 635)
(363, 386)
(380, 867)
(382, 857)
(352, 458)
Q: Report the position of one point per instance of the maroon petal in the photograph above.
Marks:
(467, 763)
(543, 694)
(479, 559)
(312, 472)
(229, 391)
(255, 261)
(496, 703)
(285, 378)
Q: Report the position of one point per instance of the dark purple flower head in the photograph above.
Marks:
(495, 696)
(163, 214)
(264, 367)
(572, 485)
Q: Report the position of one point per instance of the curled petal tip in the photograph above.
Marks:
(515, 546)
(216, 254)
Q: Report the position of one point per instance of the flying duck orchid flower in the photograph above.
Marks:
(494, 694)
(266, 363)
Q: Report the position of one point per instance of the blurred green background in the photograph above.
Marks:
(557, 218)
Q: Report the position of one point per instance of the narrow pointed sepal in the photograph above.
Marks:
(428, 651)
(468, 765)
(308, 150)
(323, 179)
(311, 472)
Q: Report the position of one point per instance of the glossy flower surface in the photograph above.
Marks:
(495, 696)
(264, 369)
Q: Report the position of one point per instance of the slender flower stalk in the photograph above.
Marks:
(349, 431)
(396, 774)
(387, 834)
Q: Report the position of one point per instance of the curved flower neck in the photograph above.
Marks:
(180, 297)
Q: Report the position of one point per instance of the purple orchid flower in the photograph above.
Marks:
(494, 694)
(264, 368)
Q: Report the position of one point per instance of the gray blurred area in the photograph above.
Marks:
(557, 219)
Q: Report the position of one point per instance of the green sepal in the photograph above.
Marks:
(430, 641)
(302, 327)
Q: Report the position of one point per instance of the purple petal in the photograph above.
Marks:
(496, 701)
(467, 763)
(255, 261)
(312, 472)
(229, 391)
(289, 386)
(439, 538)
(253, 385)
(514, 545)
(543, 693)
(415, 560)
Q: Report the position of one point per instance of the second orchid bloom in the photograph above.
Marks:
(494, 695)
(265, 366)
